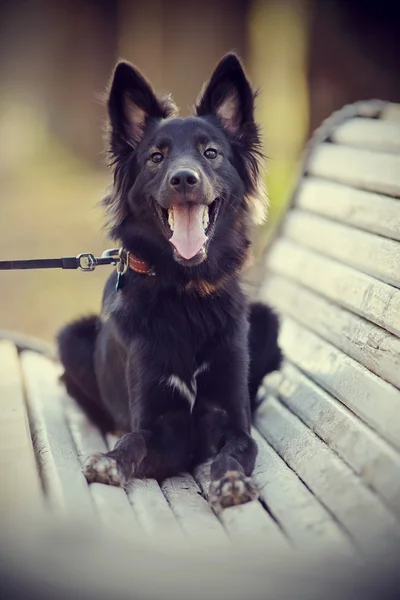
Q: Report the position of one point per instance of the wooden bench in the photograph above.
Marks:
(328, 424)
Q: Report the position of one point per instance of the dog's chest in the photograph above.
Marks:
(189, 320)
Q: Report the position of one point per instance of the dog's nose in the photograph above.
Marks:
(182, 179)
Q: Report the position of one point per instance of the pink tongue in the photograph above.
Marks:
(188, 236)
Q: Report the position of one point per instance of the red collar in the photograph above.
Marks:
(139, 266)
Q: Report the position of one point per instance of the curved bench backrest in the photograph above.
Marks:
(333, 273)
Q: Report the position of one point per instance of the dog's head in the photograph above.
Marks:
(185, 189)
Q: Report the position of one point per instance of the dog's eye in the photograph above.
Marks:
(211, 153)
(156, 157)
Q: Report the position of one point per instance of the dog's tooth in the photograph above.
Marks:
(171, 218)
(206, 218)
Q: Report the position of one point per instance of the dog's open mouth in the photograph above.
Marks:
(189, 227)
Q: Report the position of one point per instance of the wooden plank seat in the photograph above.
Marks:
(327, 425)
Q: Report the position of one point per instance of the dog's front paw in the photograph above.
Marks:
(101, 468)
(232, 489)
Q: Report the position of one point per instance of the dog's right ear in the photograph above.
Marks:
(229, 96)
(131, 104)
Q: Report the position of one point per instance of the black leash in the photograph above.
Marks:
(85, 262)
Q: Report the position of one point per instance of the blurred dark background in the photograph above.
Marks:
(307, 57)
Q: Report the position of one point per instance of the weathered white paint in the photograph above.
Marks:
(370, 457)
(301, 516)
(365, 210)
(152, 510)
(364, 169)
(19, 478)
(193, 512)
(111, 503)
(370, 253)
(369, 134)
(360, 511)
(65, 486)
(375, 401)
(360, 293)
(370, 345)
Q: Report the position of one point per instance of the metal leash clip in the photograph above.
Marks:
(122, 267)
(86, 261)
(112, 253)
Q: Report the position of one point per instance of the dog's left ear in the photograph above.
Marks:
(228, 96)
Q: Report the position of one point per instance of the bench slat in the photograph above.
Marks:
(372, 459)
(370, 253)
(363, 169)
(360, 293)
(367, 343)
(365, 210)
(369, 134)
(112, 504)
(192, 511)
(249, 522)
(65, 486)
(115, 511)
(329, 478)
(20, 488)
(375, 401)
(153, 511)
(303, 518)
(150, 506)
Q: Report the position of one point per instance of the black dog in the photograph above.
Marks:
(168, 361)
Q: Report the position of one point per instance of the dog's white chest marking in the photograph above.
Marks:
(187, 391)
(178, 383)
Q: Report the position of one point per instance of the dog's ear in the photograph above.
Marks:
(131, 104)
(228, 96)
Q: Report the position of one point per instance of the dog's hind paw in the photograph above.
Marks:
(232, 489)
(101, 468)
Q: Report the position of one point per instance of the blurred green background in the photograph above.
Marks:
(307, 57)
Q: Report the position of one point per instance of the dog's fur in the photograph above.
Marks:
(171, 360)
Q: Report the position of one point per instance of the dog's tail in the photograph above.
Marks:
(76, 349)
(76, 342)
(265, 353)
